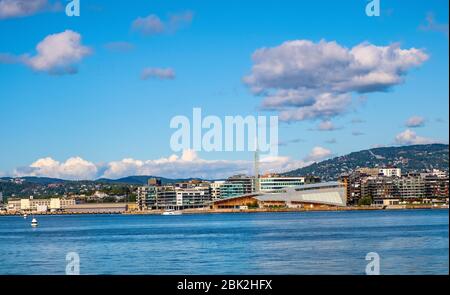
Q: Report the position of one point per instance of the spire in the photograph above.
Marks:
(256, 167)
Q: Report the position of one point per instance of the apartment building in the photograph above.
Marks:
(192, 194)
(216, 188)
(388, 185)
(237, 185)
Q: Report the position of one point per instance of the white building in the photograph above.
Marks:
(215, 189)
(304, 196)
(198, 195)
(389, 172)
(40, 205)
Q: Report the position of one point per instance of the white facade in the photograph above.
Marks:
(327, 193)
(39, 204)
(389, 172)
(215, 189)
(192, 196)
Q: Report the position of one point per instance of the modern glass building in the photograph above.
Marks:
(276, 183)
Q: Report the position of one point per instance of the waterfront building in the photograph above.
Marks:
(436, 184)
(388, 188)
(352, 183)
(230, 189)
(237, 185)
(275, 183)
(379, 187)
(41, 205)
(146, 197)
(411, 186)
(193, 197)
(165, 198)
(183, 195)
(216, 188)
(193, 193)
(329, 194)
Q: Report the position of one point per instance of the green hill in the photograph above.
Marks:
(408, 158)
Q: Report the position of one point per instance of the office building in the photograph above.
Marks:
(274, 183)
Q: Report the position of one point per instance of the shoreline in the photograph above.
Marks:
(237, 211)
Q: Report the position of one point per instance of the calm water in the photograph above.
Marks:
(409, 242)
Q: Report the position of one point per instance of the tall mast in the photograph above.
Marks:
(256, 167)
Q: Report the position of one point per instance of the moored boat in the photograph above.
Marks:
(172, 212)
(34, 223)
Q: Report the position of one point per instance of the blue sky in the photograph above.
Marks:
(106, 112)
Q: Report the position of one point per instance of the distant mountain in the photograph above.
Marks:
(38, 180)
(41, 187)
(136, 180)
(141, 180)
(131, 180)
(408, 158)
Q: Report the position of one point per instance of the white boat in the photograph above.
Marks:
(25, 216)
(34, 223)
(172, 212)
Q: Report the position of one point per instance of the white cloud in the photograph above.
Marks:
(189, 164)
(74, 168)
(326, 126)
(409, 137)
(152, 24)
(306, 80)
(318, 153)
(158, 73)
(21, 8)
(327, 105)
(415, 121)
(149, 25)
(56, 54)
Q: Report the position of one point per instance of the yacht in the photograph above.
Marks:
(25, 216)
(172, 212)
(34, 223)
